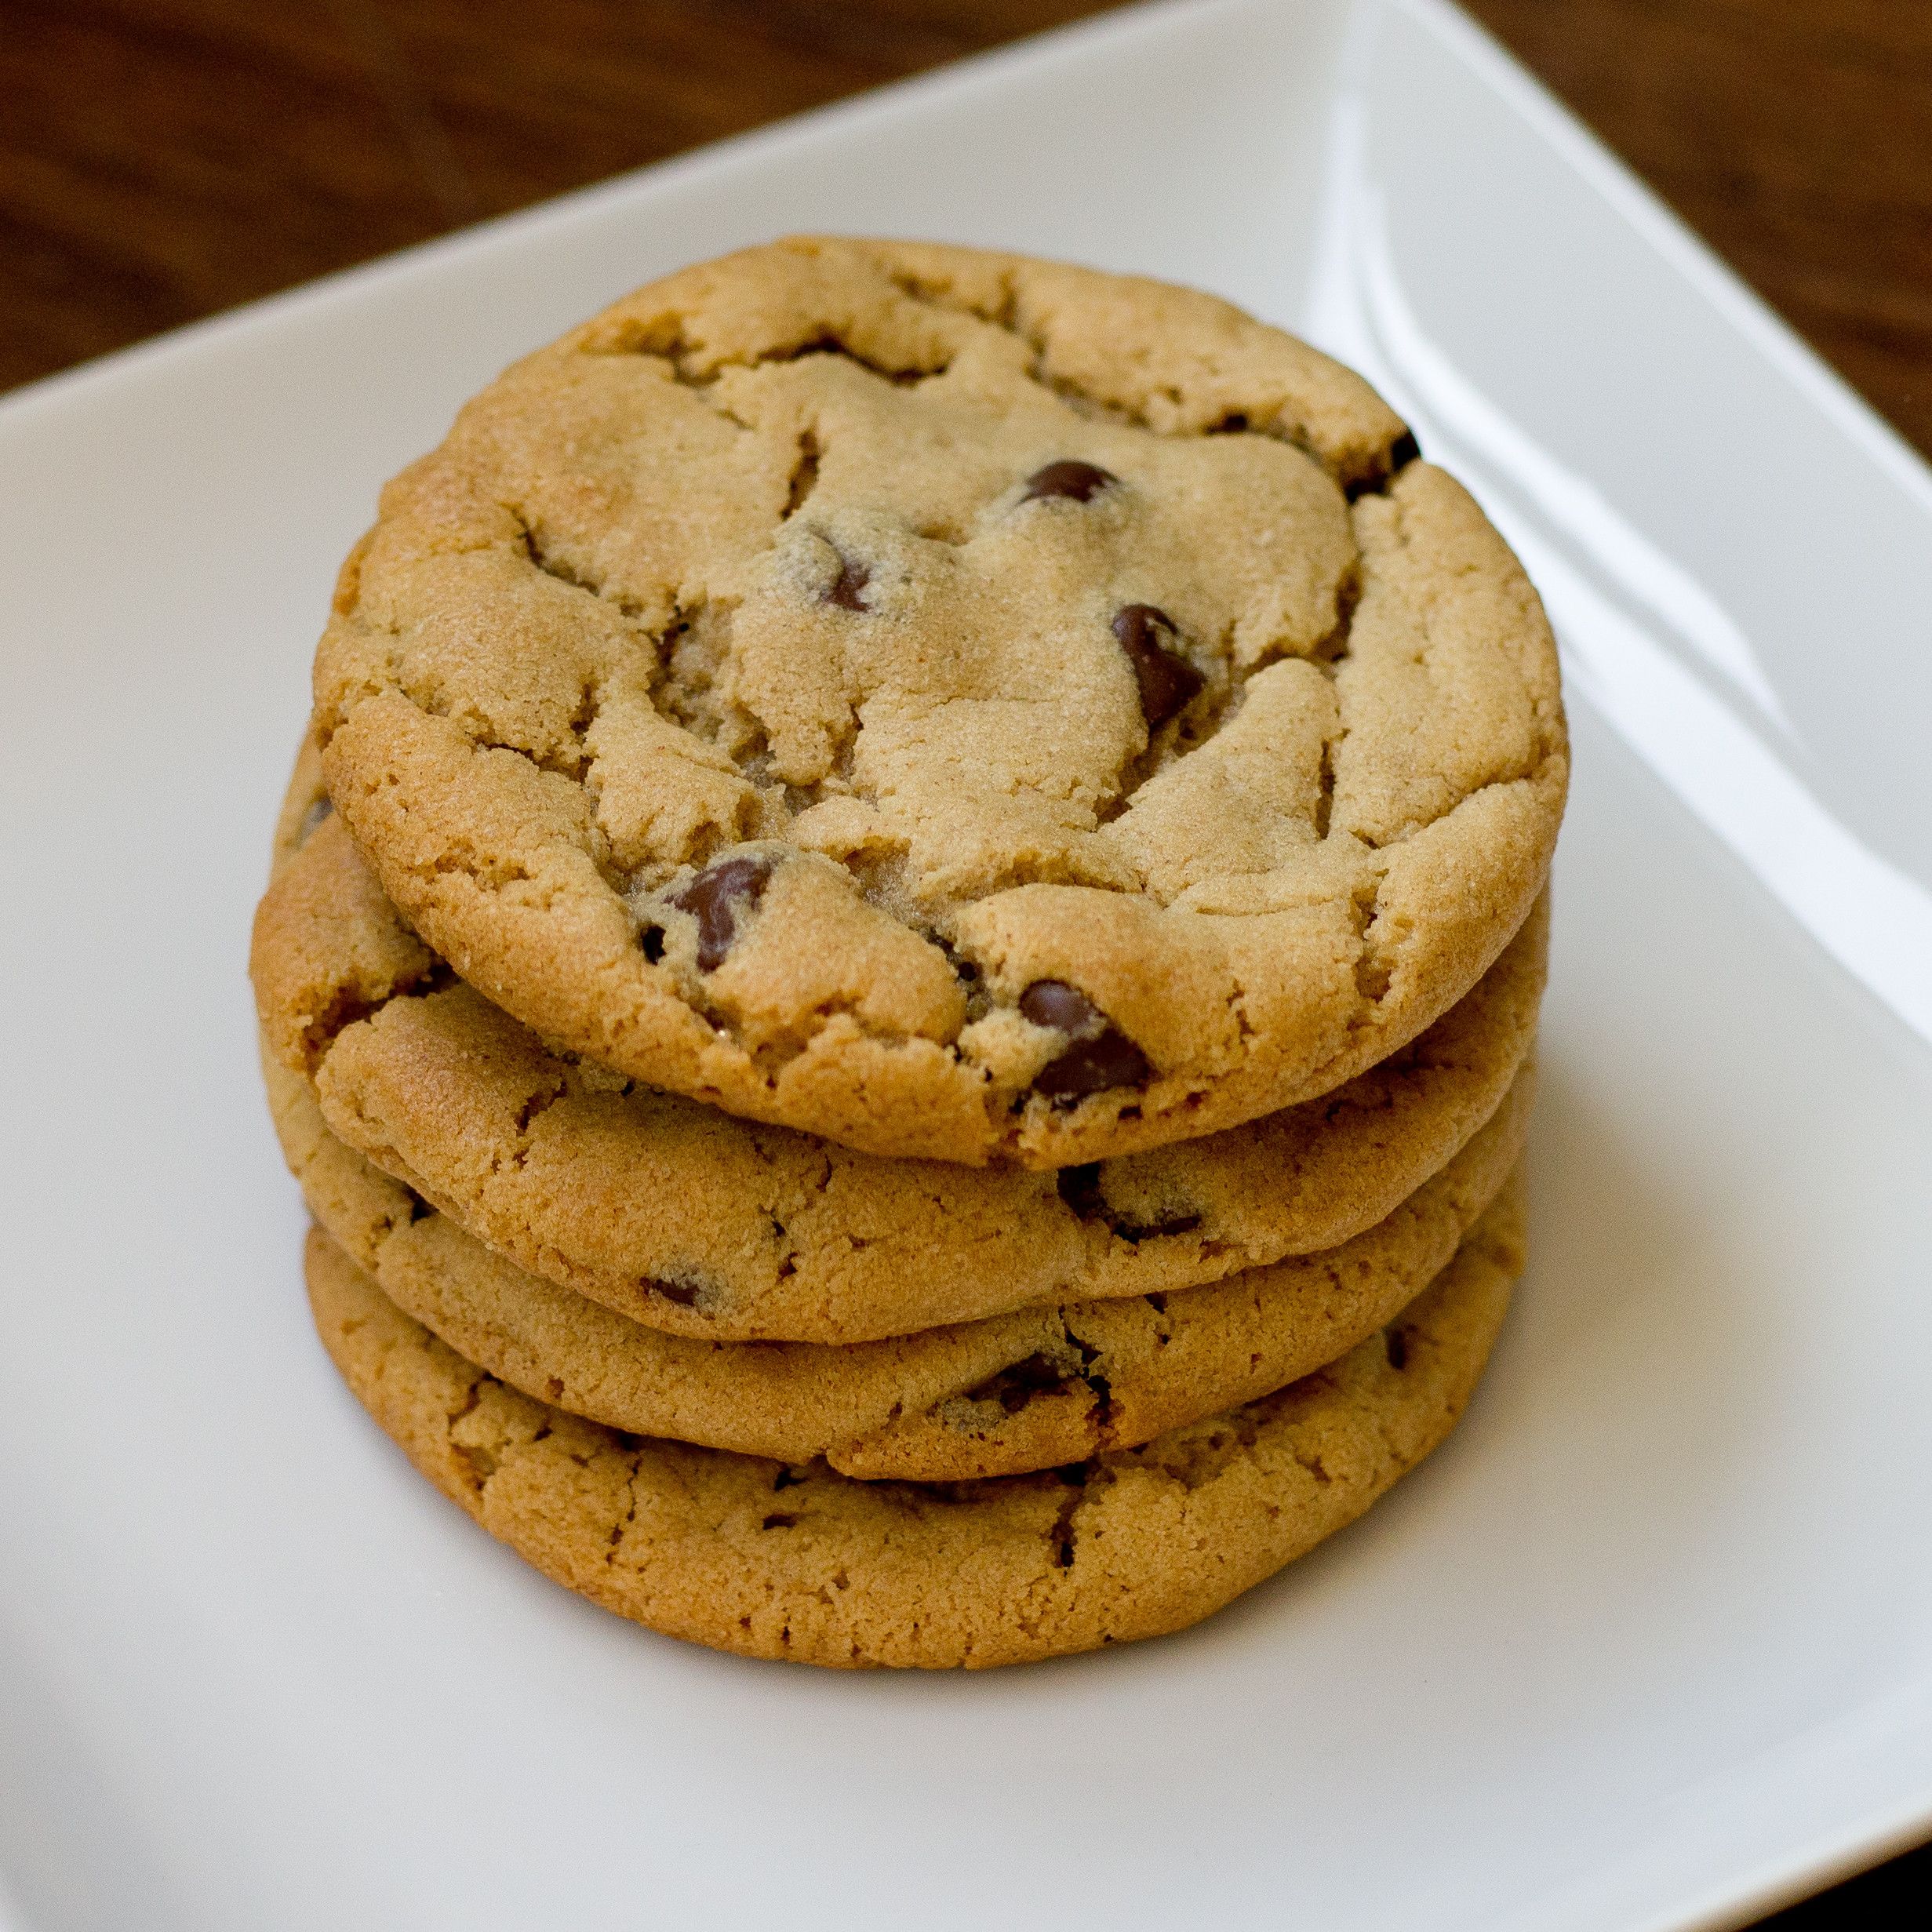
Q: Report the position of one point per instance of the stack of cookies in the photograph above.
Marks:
(903, 959)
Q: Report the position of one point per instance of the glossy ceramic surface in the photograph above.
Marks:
(1648, 1645)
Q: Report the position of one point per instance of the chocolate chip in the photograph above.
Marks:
(1080, 1188)
(1168, 682)
(652, 940)
(1092, 1067)
(1100, 1056)
(1054, 1003)
(683, 1292)
(1036, 1372)
(780, 1519)
(1013, 1388)
(1396, 1344)
(852, 578)
(714, 898)
(1068, 477)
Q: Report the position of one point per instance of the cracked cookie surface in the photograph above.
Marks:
(683, 1217)
(794, 1561)
(1027, 1390)
(960, 706)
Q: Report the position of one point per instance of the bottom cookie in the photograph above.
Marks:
(773, 1560)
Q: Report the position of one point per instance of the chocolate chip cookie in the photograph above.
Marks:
(1027, 1390)
(776, 1559)
(693, 1221)
(960, 706)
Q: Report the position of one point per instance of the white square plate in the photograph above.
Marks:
(1648, 1645)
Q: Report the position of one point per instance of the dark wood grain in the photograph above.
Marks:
(163, 159)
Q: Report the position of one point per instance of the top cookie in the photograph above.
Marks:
(961, 706)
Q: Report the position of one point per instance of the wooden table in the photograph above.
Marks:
(163, 159)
